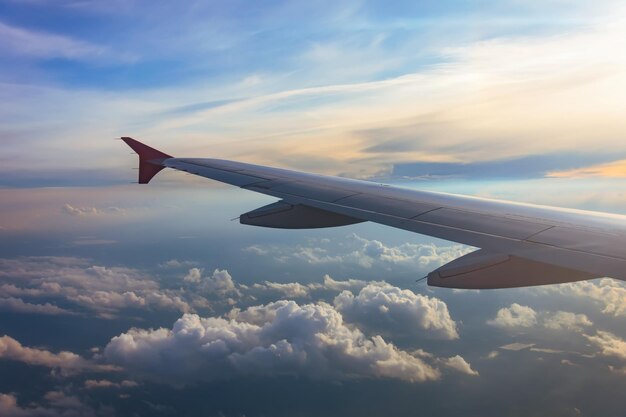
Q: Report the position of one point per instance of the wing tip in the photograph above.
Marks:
(150, 159)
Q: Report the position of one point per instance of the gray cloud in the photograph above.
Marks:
(66, 362)
(17, 305)
(105, 383)
(59, 404)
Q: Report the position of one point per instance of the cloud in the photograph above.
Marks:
(105, 383)
(459, 364)
(59, 405)
(91, 211)
(608, 292)
(23, 42)
(194, 275)
(364, 253)
(175, 263)
(66, 362)
(390, 310)
(104, 290)
(220, 283)
(610, 344)
(566, 320)
(17, 305)
(614, 169)
(279, 338)
(515, 316)
(517, 346)
(289, 290)
(298, 290)
(524, 317)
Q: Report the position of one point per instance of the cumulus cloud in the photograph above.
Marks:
(364, 253)
(220, 283)
(609, 344)
(523, 316)
(289, 289)
(459, 364)
(298, 290)
(66, 362)
(566, 320)
(609, 293)
(391, 310)
(515, 316)
(279, 338)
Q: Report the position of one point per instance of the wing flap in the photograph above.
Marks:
(485, 270)
(283, 215)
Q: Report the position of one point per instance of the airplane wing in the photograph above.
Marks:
(520, 244)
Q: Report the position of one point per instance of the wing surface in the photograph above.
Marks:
(591, 244)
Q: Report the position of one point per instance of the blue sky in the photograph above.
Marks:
(119, 299)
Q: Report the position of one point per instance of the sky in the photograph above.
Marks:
(118, 299)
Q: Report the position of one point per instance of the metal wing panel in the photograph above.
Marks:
(392, 206)
(484, 223)
(567, 238)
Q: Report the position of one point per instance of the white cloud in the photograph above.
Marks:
(279, 338)
(517, 346)
(20, 41)
(365, 253)
(610, 293)
(515, 316)
(459, 364)
(220, 283)
(105, 290)
(610, 344)
(336, 285)
(91, 211)
(523, 317)
(193, 275)
(175, 263)
(391, 310)
(566, 320)
(289, 289)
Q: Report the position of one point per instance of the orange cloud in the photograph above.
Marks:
(615, 169)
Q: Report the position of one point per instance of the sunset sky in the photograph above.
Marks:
(125, 299)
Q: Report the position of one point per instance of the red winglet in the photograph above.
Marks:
(150, 159)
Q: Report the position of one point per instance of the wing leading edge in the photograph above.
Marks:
(521, 244)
